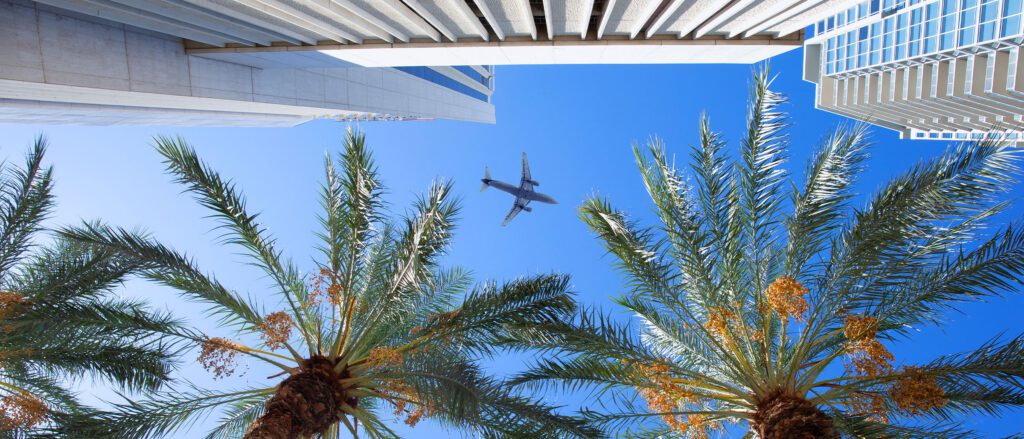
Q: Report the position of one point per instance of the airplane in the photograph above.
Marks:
(524, 193)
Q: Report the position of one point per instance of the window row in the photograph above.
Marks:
(930, 28)
(431, 75)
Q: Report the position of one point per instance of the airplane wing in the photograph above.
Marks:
(526, 182)
(516, 208)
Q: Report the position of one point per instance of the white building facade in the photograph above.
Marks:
(928, 69)
(283, 62)
(69, 67)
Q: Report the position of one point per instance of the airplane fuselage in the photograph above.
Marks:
(519, 193)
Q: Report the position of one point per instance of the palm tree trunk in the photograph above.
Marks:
(784, 416)
(305, 404)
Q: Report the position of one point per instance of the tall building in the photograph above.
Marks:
(87, 64)
(928, 69)
(282, 62)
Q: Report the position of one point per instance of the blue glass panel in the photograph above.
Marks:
(436, 77)
(1011, 26)
(987, 32)
(989, 12)
(473, 74)
(948, 6)
(948, 23)
(1011, 7)
(966, 36)
(874, 6)
(946, 42)
(969, 17)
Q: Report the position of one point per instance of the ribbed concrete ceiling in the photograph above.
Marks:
(311, 22)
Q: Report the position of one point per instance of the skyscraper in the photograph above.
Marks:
(82, 66)
(282, 62)
(929, 69)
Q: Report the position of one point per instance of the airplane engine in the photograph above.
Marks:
(528, 209)
(535, 182)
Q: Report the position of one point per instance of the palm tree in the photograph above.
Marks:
(377, 328)
(748, 317)
(59, 320)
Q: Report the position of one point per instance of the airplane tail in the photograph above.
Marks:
(486, 179)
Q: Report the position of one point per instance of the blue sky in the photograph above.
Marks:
(577, 124)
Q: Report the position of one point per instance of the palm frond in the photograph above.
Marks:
(492, 314)
(905, 217)
(760, 176)
(464, 396)
(995, 267)
(243, 229)
(25, 201)
(820, 206)
(168, 413)
(861, 426)
(169, 268)
(235, 420)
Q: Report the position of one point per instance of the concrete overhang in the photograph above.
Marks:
(511, 52)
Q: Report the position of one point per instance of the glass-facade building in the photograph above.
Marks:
(878, 32)
(939, 69)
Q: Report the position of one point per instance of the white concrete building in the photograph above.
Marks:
(928, 69)
(282, 62)
(60, 66)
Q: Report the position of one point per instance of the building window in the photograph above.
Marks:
(474, 75)
(1011, 21)
(431, 75)
(968, 21)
